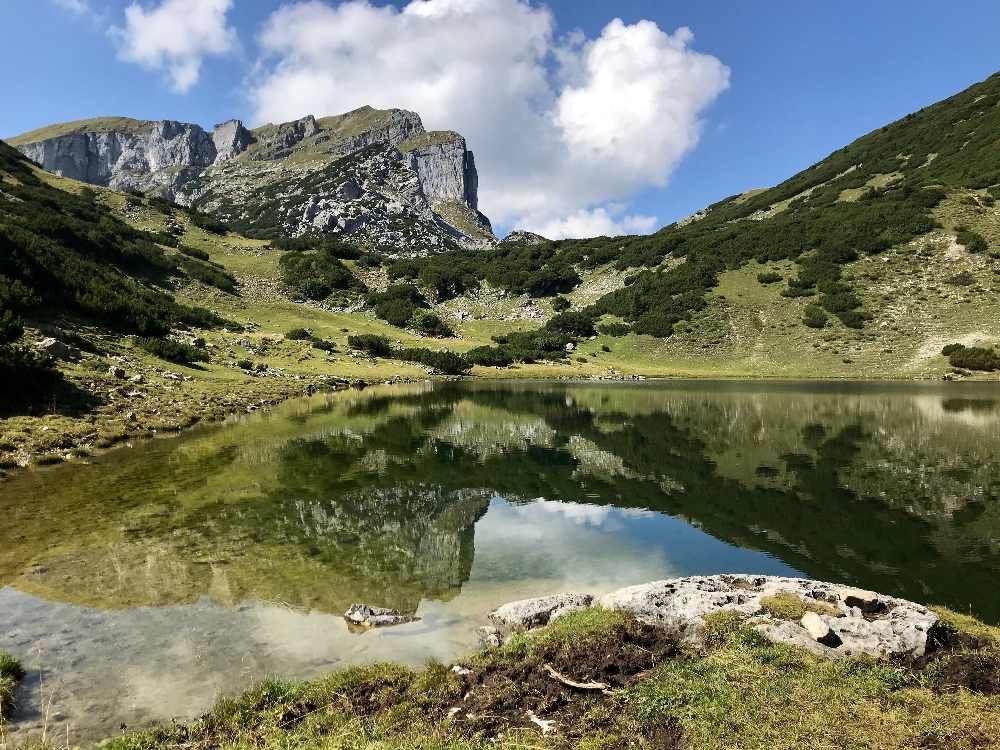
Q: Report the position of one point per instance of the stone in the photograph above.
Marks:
(230, 139)
(58, 349)
(137, 379)
(116, 372)
(532, 613)
(860, 598)
(489, 636)
(375, 617)
(894, 627)
(819, 630)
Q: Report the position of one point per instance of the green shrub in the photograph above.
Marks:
(207, 222)
(449, 363)
(172, 351)
(430, 324)
(576, 324)
(209, 274)
(298, 334)
(972, 357)
(245, 364)
(961, 279)
(192, 252)
(769, 278)
(398, 304)
(377, 346)
(614, 329)
(561, 304)
(973, 241)
(814, 316)
(490, 356)
(315, 274)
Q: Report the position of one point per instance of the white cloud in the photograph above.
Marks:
(561, 127)
(175, 36)
(595, 222)
(77, 7)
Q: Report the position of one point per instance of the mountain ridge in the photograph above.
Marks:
(420, 196)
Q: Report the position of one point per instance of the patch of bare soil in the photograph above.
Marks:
(565, 691)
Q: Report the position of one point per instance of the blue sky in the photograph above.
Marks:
(803, 80)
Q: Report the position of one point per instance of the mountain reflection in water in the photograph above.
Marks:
(449, 499)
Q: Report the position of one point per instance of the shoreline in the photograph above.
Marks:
(96, 432)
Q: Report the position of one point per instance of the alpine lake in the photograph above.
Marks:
(143, 584)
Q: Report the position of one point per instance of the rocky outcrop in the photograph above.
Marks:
(522, 237)
(830, 620)
(375, 617)
(231, 139)
(374, 175)
(533, 613)
(145, 156)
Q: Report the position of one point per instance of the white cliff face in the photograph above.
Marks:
(375, 175)
(125, 160)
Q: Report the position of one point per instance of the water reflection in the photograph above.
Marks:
(187, 567)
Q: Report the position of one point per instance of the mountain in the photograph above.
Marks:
(376, 176)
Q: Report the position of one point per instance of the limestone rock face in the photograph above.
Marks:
(231, 139)
(833, 625)
(134, 159)
(376, 176)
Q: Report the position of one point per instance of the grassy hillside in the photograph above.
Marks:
(865, 265)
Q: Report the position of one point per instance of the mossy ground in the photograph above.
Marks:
(738, 691)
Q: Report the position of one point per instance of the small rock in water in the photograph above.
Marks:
(375, 617)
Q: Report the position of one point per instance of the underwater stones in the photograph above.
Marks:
(375, 617)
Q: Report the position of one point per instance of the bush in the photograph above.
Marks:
(972, 357)
(245, 364)
(447, 362)
(961, 279)
(315, 274)
(577, 324)
(330, 246)
(614, 329)
(207, 222)
(172, 351)
(973, 241)
(769, 278)
(377, 346)
(815, 316)
(192, 252)
(561, 304)
(430, 324)
(298, 334)
(490, 356)
(209, 274)
(398, 304)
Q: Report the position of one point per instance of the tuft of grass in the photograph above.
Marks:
(788, 606)
(11, 673)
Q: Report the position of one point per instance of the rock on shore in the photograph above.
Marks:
(828, 619)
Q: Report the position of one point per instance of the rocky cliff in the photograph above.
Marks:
(374, 175)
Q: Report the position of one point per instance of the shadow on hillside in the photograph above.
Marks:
(49, 394)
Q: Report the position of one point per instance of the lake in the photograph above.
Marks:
(144, 584)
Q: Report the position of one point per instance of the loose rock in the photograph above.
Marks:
(532, 613)
(375, 617)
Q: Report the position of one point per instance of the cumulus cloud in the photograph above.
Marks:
(175, 36)
(562, 126)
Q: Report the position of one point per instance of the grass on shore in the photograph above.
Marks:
(739, 691)
(11, 673)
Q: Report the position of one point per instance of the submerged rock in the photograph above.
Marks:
(375, 617)
(830, 620)
(533, 613)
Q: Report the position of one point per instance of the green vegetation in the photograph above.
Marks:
(972, 357)
(769, 278)
(11, 673)
(740, 690)
(973, 241)
(172, 351)
(789, 606)
(301, 334)
(448, 363)
(316, 274)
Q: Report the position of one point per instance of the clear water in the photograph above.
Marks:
(143, 586)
